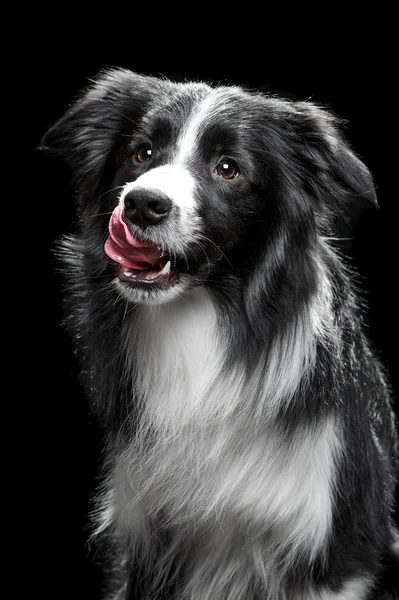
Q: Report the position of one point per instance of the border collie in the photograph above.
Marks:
(250, 445)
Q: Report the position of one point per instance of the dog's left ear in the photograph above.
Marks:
(90, 131)
(320, 187)
(337, 175)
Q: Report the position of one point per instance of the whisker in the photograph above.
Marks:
(207, 257)
(127, 310)
(216, 246)
(185, 258)
(338, 239)
(100, 214)
(118, 187)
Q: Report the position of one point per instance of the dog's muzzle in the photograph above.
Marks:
(140, 261)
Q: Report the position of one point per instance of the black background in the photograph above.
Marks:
(66, 446)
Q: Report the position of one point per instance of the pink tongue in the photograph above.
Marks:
(126, 249)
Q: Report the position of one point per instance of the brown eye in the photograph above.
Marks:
(143, 154)
(227, 169)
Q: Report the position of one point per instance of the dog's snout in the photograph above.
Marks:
(146, 207)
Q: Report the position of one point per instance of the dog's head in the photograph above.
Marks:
(203, 183)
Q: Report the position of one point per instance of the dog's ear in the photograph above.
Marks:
(336, 176)
(91, 130)
(318, 187)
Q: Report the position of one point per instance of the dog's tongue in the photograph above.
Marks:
(126, 249)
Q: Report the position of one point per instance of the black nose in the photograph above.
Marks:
(146, 207)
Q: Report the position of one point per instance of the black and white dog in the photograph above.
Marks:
(251, 449)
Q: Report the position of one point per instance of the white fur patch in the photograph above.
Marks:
(357, 589)
(213, 459)
(178, 184)
(188, 140)
(179, 353)
(293, 355)
(173, 180)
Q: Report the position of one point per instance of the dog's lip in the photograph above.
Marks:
(148, 278)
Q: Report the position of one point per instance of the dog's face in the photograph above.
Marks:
(201, 182)
(188, 193)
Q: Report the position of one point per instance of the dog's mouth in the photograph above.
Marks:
(141, 262)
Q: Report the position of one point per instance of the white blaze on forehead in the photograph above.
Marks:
(189, 135)
(356, 589)
(173, 180)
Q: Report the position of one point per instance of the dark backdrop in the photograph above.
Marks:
(66, 448)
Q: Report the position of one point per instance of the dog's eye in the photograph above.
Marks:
(226, 169)
(143, 154)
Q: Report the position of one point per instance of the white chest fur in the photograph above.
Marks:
(210, 459)
(177, 356)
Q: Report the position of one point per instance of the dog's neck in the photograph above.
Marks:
(177, 351)
(175, 354)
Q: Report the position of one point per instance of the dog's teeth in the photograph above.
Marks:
(166, 269)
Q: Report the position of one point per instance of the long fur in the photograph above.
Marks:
(251, 450)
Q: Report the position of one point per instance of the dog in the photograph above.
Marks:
(251, 450)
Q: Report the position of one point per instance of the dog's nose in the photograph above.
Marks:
(146, 207)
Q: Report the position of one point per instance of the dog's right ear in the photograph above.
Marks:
(91, 130)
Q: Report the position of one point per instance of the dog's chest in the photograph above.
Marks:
(199, 453)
